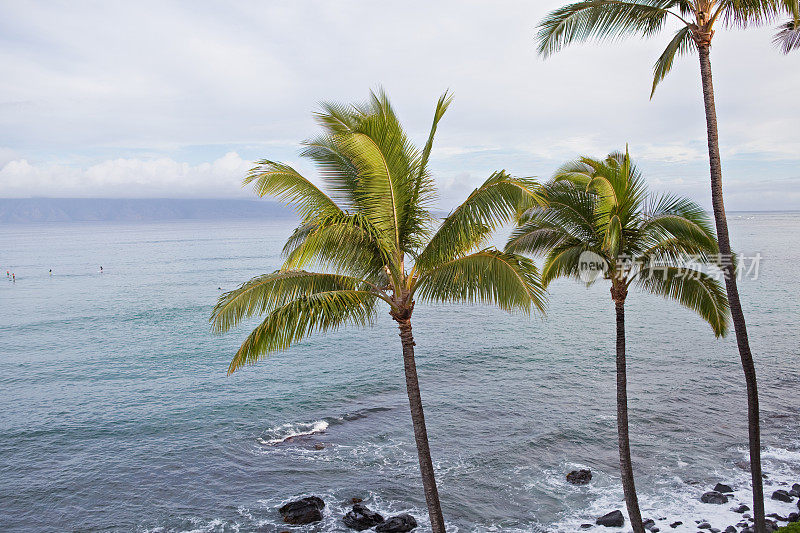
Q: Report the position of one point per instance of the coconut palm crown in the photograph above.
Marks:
(599, 214)
(696, 19)
(661, 244)
(374, 240)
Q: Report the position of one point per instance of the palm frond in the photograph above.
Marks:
(495, 202)
(681, 221)
(296, 319)
(681, 44)
(289, 186)
(692, 289)
(489, 276)
(344, 243)
(600, 19)
(788, 37)
(265, 293)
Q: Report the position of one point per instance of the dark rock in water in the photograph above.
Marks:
(612, 519)
(721, 487)
(795, 490)
(793, 517)
(579, 477)
(319, 446)
(356, 500)
(714, 497)
(654, 530)
(714, 530)
(648, 523)
(304, 511)
(704, 525)
(675, 524)
(361, 518)
(397, 524)
(586, 526)
(781, 495)
(730, 529)
(740, 509)
(776, 516)
(748, 530)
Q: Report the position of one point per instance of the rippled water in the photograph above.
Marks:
(117, 415)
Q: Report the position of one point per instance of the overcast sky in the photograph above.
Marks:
(170, 99)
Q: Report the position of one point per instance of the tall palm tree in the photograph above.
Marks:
(376, 241)
(598, 213)
(697, 19)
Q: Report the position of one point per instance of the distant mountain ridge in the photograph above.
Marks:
(39, 210)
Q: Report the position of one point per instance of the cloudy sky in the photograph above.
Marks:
(171, 99)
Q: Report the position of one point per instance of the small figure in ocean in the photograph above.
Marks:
(14, 277)
(51, 271)
(101, 269)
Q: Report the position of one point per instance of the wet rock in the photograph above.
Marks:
(612, 519)
(586, 526)
(714, 497)
(730, 529)
(704, 525)
(397, 524)
(776, 516)
(648, 523)
(714, 530)
(793, 517)
(781, 495)
(361, 518)
(303, 511)
(675, 524)
(579, 477)
(319, 446)
(747, 515)
(795, 490)
(654, 530)
(721, 487)
(740, 509)
(356, 500)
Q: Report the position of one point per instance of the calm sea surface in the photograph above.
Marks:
(117, 414)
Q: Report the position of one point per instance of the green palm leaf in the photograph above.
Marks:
(286, 184)
(495, 202)
(296, 319)
(509, 281)
(691, 288)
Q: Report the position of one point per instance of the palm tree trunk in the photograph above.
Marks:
(626, 467)
(420, 432)
(739, 325)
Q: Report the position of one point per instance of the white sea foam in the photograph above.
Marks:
(289, 431)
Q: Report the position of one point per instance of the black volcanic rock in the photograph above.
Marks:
(781, 495)
(397, 524)
(303, 511)
(612, 519)
(714, 497)
(579, 477)
(361, 518)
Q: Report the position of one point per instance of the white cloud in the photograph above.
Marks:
(131, 178)
(155, 93)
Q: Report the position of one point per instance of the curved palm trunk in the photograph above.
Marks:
(625, 465)
(737, 314)
(420, 432)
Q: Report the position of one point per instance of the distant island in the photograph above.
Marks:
(41, 210)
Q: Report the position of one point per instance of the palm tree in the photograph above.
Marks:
(599, 214)
(375, 240)
(697, 19)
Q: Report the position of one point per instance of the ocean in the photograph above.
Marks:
(117, 414)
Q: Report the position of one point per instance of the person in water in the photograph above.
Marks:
(51, 271)
(101, 270)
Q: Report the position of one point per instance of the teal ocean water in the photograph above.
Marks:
(117, 414)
